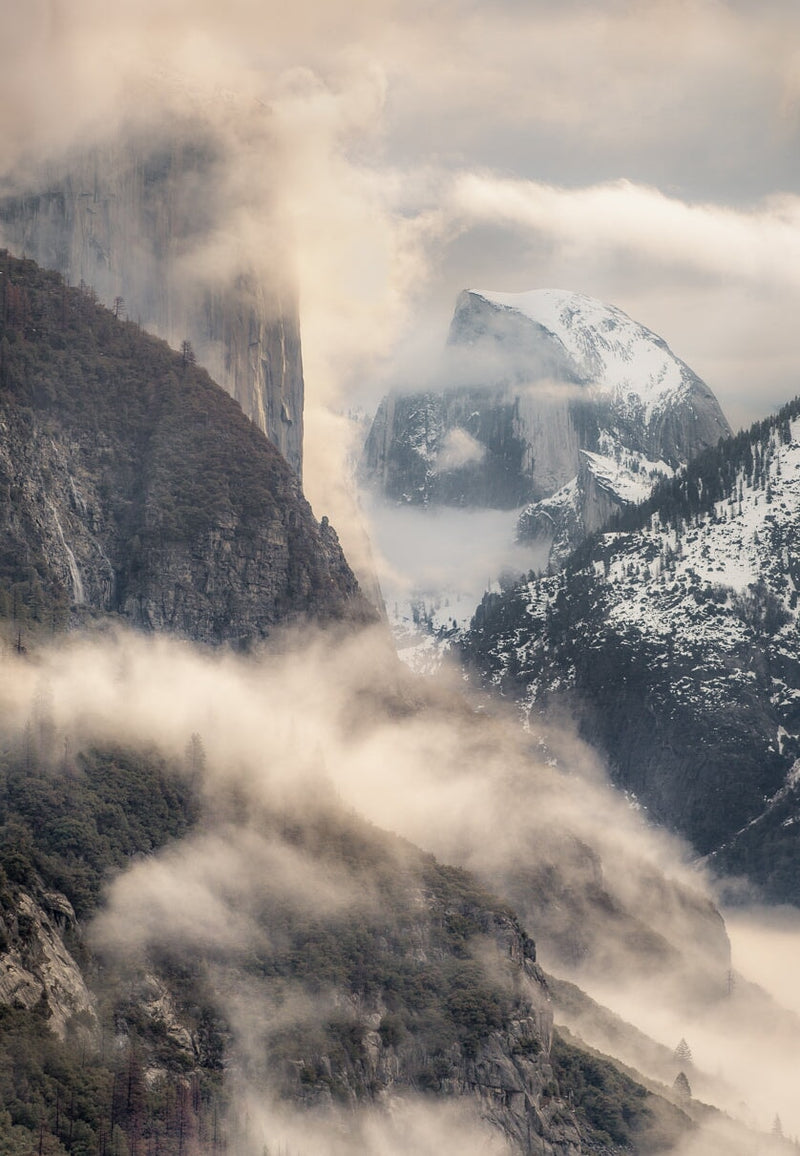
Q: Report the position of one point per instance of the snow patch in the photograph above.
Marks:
(615, 354)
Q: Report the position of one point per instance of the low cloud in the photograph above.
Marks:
(760, 245)
(612, 902)
(211, 892)
(459, 448)
(412, 1126)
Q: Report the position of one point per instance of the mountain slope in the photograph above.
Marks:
(132, 484)
(673, 636)
(548, 391)
(404, 977)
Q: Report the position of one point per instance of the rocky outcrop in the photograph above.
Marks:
(603, 486)
(506, 1075)
(424, 985)
(132, 485)
(136, 221)
(36, 969)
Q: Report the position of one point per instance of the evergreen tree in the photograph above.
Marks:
(682, 1088)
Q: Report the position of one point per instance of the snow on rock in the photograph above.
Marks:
(674, 637)
(613, 353)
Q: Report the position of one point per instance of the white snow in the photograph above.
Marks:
(690, 590)
(727, 553)
(614, 353)
(629, 476)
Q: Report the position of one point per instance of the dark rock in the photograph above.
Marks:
(133, 485)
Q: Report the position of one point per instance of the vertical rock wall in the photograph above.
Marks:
(140, 221)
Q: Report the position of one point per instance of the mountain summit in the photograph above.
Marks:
(549, 398)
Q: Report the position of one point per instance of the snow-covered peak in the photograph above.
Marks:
(611, 352)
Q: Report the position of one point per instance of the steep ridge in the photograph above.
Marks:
(131, 484)
(368, 971)
(553, 399)
(410, 979)
(672, 635)
(136, 222)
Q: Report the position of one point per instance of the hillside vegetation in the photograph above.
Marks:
(131, 484)
(672, 635)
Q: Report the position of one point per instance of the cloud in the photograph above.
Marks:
(210, 894)
(322, 722)
(317, 709)
(758, 245)
(412, 1126)
(459, 448)
(379, 177)
(619, 149)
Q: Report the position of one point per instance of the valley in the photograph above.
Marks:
(399, 680)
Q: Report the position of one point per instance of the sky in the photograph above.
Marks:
(642, 151)
(385, 155)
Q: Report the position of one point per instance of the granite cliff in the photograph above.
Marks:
(136, 222)
(132, 485)
(553, 401)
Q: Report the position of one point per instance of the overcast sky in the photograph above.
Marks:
(644, 152)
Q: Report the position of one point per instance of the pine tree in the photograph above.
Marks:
(682, 1088)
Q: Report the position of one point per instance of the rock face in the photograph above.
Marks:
(436, 992)
(134, 221)
(673, 637)
(36, 969)
(507, 1074)
(552, 397)
(132, 485)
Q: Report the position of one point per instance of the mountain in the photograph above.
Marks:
(672, 636)
(551, 399)
(132, 485)
(203, 952)
(136, 221)
(312, 958)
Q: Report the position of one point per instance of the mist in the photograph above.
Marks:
(361, 174)
(438, 563)
(356, 167)
(320, 724)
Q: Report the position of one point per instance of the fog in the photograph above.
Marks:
(411, 1128)
(374, 159)
(614, 149)
(436, 564)
(318, 723)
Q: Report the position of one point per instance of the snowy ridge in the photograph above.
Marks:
(690, 582)
(614, 354)
(627, 475)
(621, 476)
(673, 638)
